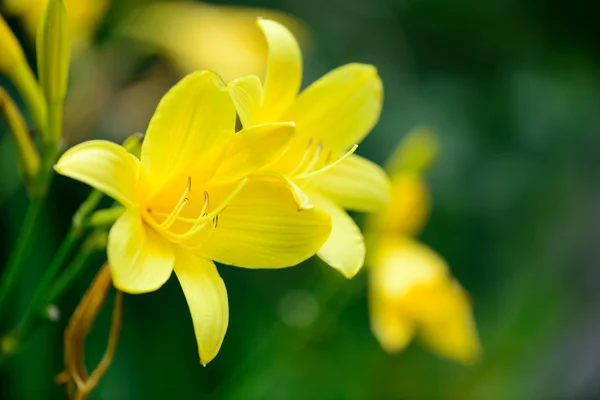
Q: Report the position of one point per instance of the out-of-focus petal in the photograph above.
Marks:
(340, 108)
(247, 94)
(445, 321)
(415, 152)
(400, 263)
(393, 331)
(188, 131)
(344, 250)
(140, 260)
(408, 208)
(105, 166)
(207, 299)
(196, 35)
(284, 70)
(254, 148)
(262, 227)
(355, 184)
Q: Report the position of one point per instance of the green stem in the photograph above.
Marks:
(38, 197)
(55, 120)
(39, 298)
(94, 242)
(21, 249)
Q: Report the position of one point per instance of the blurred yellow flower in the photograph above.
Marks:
(196, 35)
(188, 201)
(84, 16)
(411, 290)
(331, 116)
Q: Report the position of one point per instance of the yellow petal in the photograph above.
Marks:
(140, 260)
(246, 93)
(105, 166)
(191, 123)
(393, 331)
(446, 323)
(344, 250)
(254, 148)
(262, 228)
(398, 264)
(197, 35)
(409, 206)
(284, 70)
(355, 184)
(340, 108)
(302, 200)
(415, 152)
(207, 299)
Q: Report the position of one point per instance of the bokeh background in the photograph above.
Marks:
(512, 87)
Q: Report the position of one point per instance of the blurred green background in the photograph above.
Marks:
(513, 89)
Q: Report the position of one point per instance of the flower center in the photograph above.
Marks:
(193, 225)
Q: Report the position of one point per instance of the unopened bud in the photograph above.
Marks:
(12, 52)
(29, 159)
(14, 65)
(133, 144)
(53, 50)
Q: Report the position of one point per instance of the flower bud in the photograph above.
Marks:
(12, 53)
(14, 65)
(53, 52)
(29, 159)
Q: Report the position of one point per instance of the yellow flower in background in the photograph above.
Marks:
(411, 290)
(84, 16)
(189, 201)
(196, 35)
(331, 116)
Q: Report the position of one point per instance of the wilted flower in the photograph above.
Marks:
(189, 201)
(411, 290)
(79, 382)
(331, 116)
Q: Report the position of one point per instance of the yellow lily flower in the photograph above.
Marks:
(411, 290)
(197, 35)
(189, 201)
(331, 116)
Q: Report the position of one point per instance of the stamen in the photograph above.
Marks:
(183, 201)
(204, 218)
(304, 158)
(329, 166)
(314, 159)
(216, 221)
(173, 216)
(202, 214)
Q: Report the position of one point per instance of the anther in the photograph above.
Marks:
(216, 221)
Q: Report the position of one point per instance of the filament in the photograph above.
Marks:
(329, 166)
(304, 158)
(315, 158)
(183, 201)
